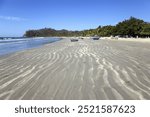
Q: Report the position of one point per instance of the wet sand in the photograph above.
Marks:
(87, 69)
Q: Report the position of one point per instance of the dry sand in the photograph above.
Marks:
(143, 40)
(103, 69)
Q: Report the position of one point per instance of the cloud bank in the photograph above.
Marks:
(12, 18)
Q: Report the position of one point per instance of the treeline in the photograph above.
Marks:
(49, 32)
(132, 27)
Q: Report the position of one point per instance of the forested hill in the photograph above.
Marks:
(131, 27)
(46, 32)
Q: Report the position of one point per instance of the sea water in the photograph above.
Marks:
(8, 46)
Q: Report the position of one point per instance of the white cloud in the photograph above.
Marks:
(12, 18)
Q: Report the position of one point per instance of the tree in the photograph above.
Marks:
(145, 30)
(106, 30)
(131, 27)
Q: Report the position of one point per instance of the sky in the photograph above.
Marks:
(18, 16)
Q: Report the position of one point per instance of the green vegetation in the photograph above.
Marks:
(49, 32)
(132, 27)
(145, 31)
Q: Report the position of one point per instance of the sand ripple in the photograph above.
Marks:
(86, 69)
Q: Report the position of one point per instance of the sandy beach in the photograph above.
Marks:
(102, 69)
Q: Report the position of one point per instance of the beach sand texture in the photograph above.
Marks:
(87, 69)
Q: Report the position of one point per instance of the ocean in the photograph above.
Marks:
(8, 46)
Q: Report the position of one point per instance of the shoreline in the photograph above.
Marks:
(12, 46)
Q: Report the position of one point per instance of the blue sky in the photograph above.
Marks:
(17, 16)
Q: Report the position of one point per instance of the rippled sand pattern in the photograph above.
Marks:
(103, 69)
